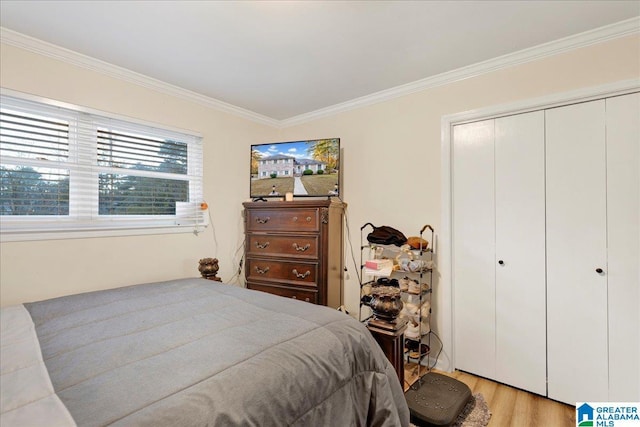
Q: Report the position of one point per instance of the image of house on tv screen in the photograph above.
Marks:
(305, 168)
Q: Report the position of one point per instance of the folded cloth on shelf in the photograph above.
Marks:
(378, 264)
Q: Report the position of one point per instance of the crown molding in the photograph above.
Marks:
(41, 47)
(598, 35)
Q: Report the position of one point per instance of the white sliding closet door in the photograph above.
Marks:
(474, 247)
(520, 252)
(623, 273)
(576, 252)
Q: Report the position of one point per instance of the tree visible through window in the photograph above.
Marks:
(27, 186)
(125, 194)
(62, 163)
(25, 190)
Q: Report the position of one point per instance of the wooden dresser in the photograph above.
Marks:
(294, 249)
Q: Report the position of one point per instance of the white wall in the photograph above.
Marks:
(36, 270)
(392, 171)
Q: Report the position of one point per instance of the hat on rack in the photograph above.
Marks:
(417, 243)
(385, 235)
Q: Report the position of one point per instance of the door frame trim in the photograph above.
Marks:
(445, 252)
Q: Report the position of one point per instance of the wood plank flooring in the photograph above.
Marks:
(510, 407)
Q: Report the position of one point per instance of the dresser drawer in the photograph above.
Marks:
(300, 219)
(299, 294)
(280, 271)
(279, 245)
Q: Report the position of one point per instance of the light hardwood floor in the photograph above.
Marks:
(513, 407)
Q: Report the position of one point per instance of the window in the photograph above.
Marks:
(65, 169)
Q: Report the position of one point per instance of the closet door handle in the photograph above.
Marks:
(599, 270)
(501, 262)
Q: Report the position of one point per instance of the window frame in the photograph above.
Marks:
(83, 219)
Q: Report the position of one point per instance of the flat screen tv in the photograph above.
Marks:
(305, 168)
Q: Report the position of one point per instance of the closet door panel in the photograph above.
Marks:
(576, 247)
(623, 213)
(474, 247)
(520, 252)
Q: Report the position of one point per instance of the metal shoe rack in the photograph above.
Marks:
(413, 272)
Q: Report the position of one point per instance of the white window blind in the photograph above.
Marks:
(66, 170)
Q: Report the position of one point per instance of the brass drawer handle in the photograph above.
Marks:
(262, 245)
(295, 219)
(306, 299)
(300, 276)
(301, 248)
(262, 271)
(262, 220)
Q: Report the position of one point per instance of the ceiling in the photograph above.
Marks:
(282, 59)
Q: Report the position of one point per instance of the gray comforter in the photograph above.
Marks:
(194, 352)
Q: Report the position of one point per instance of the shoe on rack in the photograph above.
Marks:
(413, 330)
(425, 309)
(424, 349)
(425, 327)
(409, 311)
(404, 283)
(414, 287)
(385, 281)
(366, 300)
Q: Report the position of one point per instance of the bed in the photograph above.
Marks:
(191, 352)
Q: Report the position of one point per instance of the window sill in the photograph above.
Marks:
(23, 236)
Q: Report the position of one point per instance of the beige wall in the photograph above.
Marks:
(391, 151)
(36, 270)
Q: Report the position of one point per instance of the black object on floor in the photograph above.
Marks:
(437, 400)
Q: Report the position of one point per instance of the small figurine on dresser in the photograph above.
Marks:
(208, 268)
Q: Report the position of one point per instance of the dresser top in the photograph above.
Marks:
(313, 203)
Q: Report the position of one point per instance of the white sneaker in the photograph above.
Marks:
(404, 283)
(415, 288)
(413, 330)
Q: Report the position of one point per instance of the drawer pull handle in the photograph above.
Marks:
(301, 248)
(295, 219)
(262, 220)
(262, 271)
(306, 299)
(300, 276)
(264, 245)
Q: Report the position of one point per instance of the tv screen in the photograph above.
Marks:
(305, 168)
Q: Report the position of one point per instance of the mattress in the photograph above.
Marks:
(192, 352)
